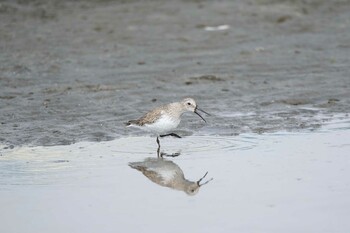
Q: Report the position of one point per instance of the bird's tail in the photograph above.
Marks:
(131, 122)
(137, 166)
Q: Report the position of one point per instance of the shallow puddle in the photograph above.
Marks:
(281, 182)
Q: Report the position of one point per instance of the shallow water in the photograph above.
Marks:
(279, 182)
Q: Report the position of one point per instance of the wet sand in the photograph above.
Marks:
(278, 182)
(273, 74)
(74, 71)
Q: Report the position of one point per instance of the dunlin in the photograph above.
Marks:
(168, 174)
(162, 120)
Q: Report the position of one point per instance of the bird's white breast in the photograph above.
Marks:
(166, 175)
(164, 124)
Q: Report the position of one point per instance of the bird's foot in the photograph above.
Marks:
(170, 134)
(163, 154)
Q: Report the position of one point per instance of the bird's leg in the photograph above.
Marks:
(158, 150)
(174, 135)
(170, 134)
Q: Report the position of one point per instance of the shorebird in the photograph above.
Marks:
(162, 120)
(168, 174)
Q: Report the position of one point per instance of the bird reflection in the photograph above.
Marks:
(164, 154)
(168, 174)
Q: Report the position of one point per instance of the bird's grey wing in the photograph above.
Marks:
(148, 118)
(152, 175)
(159, 176)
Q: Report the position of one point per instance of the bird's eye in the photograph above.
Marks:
(188, 103)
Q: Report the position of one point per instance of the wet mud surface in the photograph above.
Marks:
(75, 71)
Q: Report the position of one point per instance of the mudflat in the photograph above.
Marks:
(274, 75)
(74, 71)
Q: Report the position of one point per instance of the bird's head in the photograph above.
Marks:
(192, 189)
(190, 106)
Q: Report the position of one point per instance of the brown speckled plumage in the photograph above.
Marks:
(173, 109)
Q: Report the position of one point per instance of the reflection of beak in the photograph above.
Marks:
(195, 111)
(198, 182)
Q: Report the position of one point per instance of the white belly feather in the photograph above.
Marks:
(163, 125)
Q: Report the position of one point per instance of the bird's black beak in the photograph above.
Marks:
(198, 109)
(198, 182)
